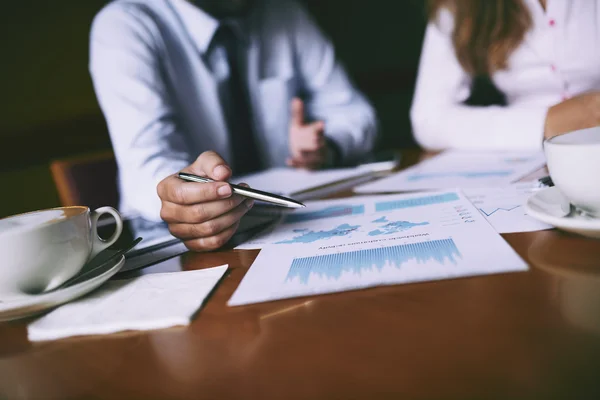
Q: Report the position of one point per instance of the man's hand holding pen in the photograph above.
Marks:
(204, 216)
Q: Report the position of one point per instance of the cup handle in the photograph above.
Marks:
(99, 244)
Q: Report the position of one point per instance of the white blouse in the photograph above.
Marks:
(559, 58)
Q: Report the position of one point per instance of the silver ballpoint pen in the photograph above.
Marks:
(248, 192)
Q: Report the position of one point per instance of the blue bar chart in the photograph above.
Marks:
(332, 266)
(329, 212)
(416, 202)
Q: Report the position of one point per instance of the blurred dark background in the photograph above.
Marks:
(49, 109)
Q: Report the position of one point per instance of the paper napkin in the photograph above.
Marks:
(148, 302)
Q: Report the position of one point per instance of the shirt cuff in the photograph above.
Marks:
(344, 144)
(529, 134)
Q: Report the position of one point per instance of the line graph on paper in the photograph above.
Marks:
(503, 207)
(510, 218)
(489, 213)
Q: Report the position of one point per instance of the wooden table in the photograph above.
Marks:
(526, 335)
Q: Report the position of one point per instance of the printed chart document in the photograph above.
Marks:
(459, 169)
(392, 240)
(292, 181)
(503, 207)
(320, 220)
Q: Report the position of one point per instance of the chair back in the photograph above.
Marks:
(87, 180)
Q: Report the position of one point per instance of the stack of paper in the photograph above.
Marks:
(302, 184)
(457, 169)
(384, 240)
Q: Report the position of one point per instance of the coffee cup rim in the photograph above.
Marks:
(553, 140)
(83, 209)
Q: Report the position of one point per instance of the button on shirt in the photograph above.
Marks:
(558, 59)
(160, 88)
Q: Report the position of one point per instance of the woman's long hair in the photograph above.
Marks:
(485, 32)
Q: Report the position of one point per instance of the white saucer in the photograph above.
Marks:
(28, 305)
(549, 206)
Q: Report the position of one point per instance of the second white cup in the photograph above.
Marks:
(574, 164)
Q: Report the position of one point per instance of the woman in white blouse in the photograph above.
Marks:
(542, 55)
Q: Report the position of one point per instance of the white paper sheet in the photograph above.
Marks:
(400, 239)
(147, 302)
(456, 169)
(503, 207)
(290, 181)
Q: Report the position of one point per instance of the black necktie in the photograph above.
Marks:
(245, 157)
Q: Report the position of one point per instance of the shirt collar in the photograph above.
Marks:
(202, 26)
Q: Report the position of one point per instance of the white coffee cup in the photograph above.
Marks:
(41, 250)
(574, 164)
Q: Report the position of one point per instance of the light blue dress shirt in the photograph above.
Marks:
(159, 88)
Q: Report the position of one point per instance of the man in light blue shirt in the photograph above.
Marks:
(215, 88)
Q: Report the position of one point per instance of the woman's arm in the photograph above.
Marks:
(440, 120)
(579, 112)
